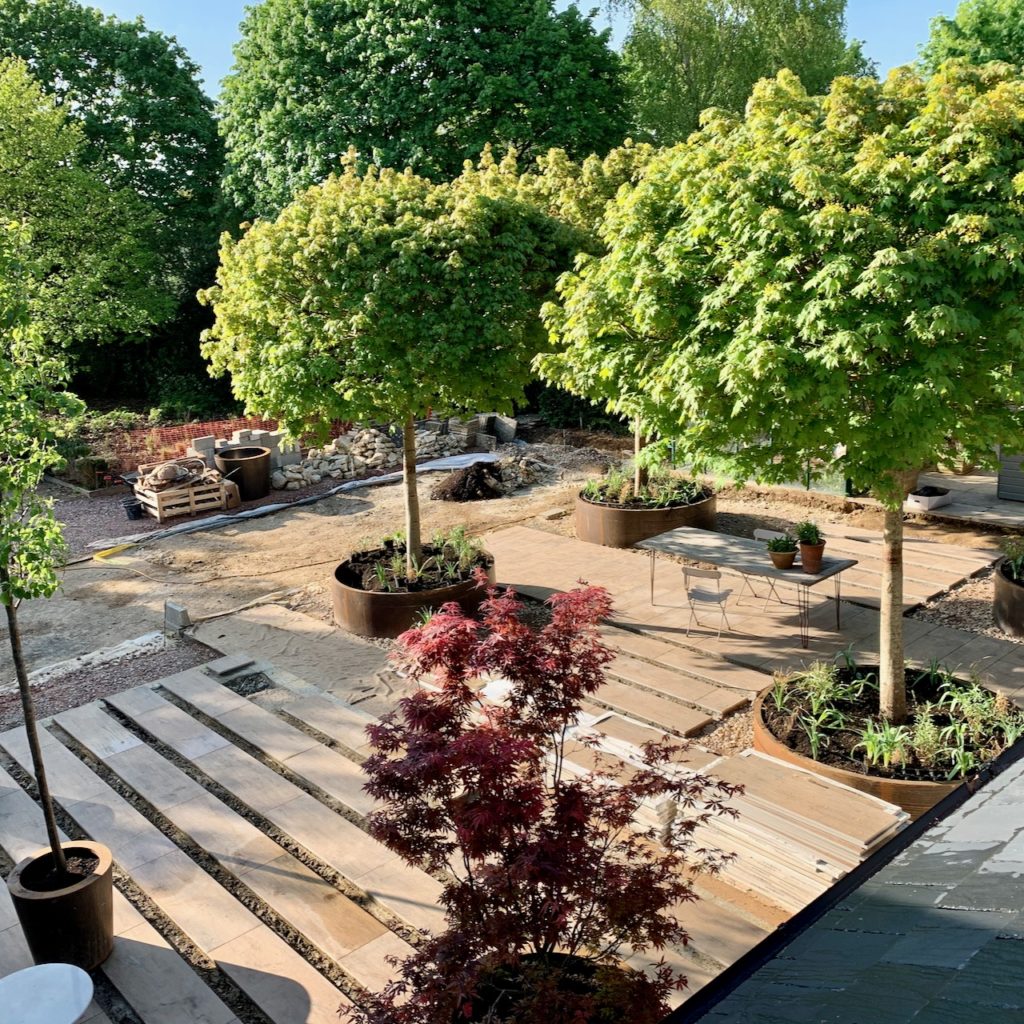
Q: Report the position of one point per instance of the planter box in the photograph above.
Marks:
(623, 527)
(376, 614)
(926, 502)
(1007, 602)
(916, 798)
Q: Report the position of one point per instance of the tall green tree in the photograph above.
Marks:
(381, 296)
(826, 274)
(93, 264)
(146, 124)
(980, 31)
(683, 56)
(420, 83)
(31, 543)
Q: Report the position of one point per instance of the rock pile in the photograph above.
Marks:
(522, 470)
(355, 454)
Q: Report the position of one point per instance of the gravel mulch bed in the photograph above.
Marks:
(83, 685)
(967, 607)
(730, 736)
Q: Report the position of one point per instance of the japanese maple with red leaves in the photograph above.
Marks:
(549, 880)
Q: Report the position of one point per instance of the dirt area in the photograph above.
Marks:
(287, 557)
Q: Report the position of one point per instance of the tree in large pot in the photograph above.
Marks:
(823, 274)
(63, 894)
(551, 877)
(382, 296)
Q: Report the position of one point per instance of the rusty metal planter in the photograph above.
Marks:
(916, 798)
(613, 527)
(1007, 602)
(378, 614)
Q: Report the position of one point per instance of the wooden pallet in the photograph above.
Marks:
(182, 501)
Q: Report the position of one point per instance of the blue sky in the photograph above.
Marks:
(891, 29)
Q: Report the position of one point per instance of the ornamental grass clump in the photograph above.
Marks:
(548, 878)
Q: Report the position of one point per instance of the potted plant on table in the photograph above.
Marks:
(63, 894)
(812, 545)
(378, 297)
(782, 551)
(547, 873)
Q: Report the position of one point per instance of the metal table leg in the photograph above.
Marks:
(652, 576)
(836, 577)
(804, 605)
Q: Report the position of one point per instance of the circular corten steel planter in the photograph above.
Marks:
(623, 527)
(74, 925)
(1007, 602)
(372, 613)
(916, 798)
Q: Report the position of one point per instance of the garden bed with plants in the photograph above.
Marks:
(663, 491)
(830, 714)
(449, 559)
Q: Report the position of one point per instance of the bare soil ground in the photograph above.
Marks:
(288, 558)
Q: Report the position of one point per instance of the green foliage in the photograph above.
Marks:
(146, 124)
(559, 408)
(1013, 550)
(423, 84)
(772, 285)
(31, 409)
(380, 296)
(884, 743)
(662, 490)
(808, 533)
(94, 268)
(683, 56)
(784, 543)
(926, 737)
(980, 31)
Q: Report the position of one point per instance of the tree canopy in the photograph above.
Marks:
(683, 56)
(827, 273)
(422, 83)
(146, 124)
(980, 31)
(93, 263)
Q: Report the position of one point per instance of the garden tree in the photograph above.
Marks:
(980, 31)
(537, 860)
(146, 124)
(423, 83)
(93, 263)
(383, 296)
(828, 271)
(31, 543)
(683, 56)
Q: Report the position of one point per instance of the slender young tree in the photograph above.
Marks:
(826, 273)
(382, 296)
(31, 543)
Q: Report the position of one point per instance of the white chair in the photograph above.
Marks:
(765, 535)
(699, 591)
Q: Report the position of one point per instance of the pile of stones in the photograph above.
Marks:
(432, 445)
(521, 471)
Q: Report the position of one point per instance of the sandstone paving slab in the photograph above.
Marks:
(652, 708)
(310, 648)
(340, 722)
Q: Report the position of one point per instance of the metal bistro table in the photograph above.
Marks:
(748, 558)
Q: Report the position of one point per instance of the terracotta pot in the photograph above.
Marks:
(623, 527)
(73, 925)
(810, 557)
(916, 798)
(1007, 601)
(370, 613)
(783, 559)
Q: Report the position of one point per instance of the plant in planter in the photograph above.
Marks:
(63, 895)
(782, 551)
(1008, 587)
(830, 714)
(812, 545)
(382, 296)
(548, 875)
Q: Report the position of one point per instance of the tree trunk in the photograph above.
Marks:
(32, 730)
(413, 543)
(892, 676)
(640, 474)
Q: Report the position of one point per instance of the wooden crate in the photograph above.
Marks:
(182, 501)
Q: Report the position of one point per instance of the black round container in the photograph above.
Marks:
(248, 467)
(132, 507)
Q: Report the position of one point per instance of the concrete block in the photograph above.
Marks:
(176, 617)
(229, 665)
(241, 436)
(486, 441)
(504, 429)
(201, 444)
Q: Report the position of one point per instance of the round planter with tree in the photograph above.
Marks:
(826, 720)
(63, 894)
(1008, 588)
(385, 296)
(614, 513)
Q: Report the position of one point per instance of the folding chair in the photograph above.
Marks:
(699, 591)
(772, 592)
